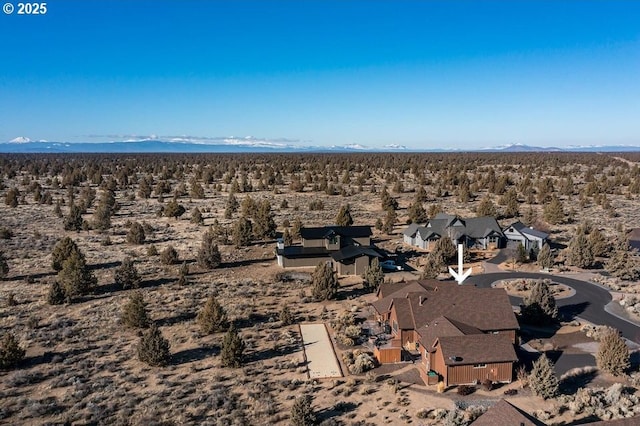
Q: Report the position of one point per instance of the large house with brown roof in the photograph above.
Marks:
(348, 248)
(464, 334)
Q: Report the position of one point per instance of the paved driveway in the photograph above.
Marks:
(588, 302)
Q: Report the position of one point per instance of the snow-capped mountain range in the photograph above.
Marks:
(154, 143)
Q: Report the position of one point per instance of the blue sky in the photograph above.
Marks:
(423, 74)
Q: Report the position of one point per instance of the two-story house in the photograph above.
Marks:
(348, 248)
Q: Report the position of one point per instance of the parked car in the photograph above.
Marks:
(390, 265)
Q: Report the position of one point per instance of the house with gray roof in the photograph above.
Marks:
(476, 232)
(530, 238)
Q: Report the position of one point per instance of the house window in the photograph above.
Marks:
(395, 326)
(480, 366)
(333, 239)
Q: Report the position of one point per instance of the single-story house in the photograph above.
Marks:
(530, 238)
(476, 232)
(348, 248)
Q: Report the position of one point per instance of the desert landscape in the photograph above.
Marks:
(173, 230)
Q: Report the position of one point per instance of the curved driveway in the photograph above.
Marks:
(588, 302)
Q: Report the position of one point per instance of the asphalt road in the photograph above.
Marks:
(588, 302)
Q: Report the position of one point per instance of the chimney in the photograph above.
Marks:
(421, 301)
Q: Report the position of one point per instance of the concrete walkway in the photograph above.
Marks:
(321, 358)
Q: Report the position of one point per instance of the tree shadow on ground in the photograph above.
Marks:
(572, 383)
(30, 277)
(105, 265)
(246, 262)
(253, 319)
(176, 319)
(276, 351)
(338, 409)
(49, 357)
(194, 354)
(570, 312)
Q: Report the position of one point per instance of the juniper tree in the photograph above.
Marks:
(578, 252)
(433, 266)
(153, 348)
(264, 226)
(136, 234)
(545, 257)
(447, 249)
(212, 318)
(623, 263)
(417, 213)
(553, 211)
(539, 307)
(73, 222)
(233, 346)
(56, 294)
(62, 251)
(389, 221)
(296, 228)
(343, 218)
(169, 256)
(134, 312)
(613, 353)
(242, 232)
(486, 207)
(11, 197)
(11, 354)
(324, 281)
(373, 276)
(209, 255)
(126, 275)
(542, 379)
(173, 209)
(75, 277)
(302, 413)
(521, 254)
(183, 274)
(196, 217)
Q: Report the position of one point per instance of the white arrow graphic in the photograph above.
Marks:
(461, 275)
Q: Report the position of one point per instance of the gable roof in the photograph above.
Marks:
(526, 230)
(441, 326)
(504, 413)
(477, 349)
(411, 230)
(316, 233)
(486, 309)
(350, 252)
(455, 227)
